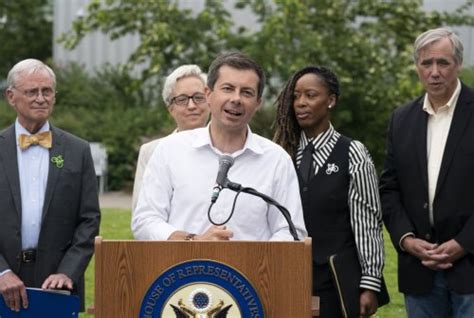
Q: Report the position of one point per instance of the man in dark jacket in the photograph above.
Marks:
(49, 208)
(426, 187)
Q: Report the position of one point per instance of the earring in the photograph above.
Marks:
(330, 106)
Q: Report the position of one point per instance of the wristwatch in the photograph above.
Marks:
(190, 237)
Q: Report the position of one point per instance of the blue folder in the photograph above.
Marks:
(44, 303)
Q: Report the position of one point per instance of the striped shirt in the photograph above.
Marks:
(364, 202)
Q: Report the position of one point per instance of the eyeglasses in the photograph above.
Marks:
(47, 92)
(183, 99)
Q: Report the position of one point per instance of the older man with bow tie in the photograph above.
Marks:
(48, 193)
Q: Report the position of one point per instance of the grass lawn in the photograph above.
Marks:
(116, 225)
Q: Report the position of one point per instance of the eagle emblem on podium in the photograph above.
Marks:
(200, 306)
(201, 289)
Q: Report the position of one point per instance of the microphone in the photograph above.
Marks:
(225, 162)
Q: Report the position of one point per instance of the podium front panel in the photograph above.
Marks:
(280, 272)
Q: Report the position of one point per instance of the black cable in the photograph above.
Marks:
(239, 189)
(231, 212)
(284, 211)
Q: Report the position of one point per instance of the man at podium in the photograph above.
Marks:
(175, 199)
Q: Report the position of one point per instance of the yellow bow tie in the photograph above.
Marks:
(43, 139)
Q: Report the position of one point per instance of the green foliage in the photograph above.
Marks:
(368, 43)
(101, 108)
(467, 76)
(114, 225)
(396, 307)
(26, 31)
(7, 114)
(263, 121)
(169, 35)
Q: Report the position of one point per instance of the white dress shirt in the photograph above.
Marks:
(181, 174)
(33, 167)
(439, 123)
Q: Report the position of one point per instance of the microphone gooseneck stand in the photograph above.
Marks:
(239, 189)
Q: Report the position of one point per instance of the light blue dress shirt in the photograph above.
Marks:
(33, 167)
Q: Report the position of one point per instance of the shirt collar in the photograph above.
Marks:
(20, 130)
(319, 141)
(427, 107)
(203, 138)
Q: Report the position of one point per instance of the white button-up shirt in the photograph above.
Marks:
(439, 123)
(180, 177)
(33, 167)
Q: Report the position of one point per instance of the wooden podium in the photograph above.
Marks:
(280, 272)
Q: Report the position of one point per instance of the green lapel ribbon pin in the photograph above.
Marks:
(58, 161)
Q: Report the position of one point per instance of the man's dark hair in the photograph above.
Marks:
(238, 61)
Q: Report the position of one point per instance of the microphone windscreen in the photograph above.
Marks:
(226, 159)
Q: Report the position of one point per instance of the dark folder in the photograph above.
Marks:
(44, 303)
(346, 273)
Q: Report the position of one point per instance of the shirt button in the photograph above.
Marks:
(428, 237)
(425, 205)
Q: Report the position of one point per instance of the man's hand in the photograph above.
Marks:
(215, 233)
(13, 291)
(418, 247)
(423, 250)
(434, 256)
(57, 281)
(368, 303)
(444, 256)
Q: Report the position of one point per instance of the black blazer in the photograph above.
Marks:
(71, 213)
(404, 192)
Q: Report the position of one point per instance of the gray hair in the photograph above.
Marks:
(183, 71)
(28, 67)
(435, 35)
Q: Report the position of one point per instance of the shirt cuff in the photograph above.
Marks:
(4, 272)
(403, 237)
(371, 283)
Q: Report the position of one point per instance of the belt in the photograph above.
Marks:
(28, 256)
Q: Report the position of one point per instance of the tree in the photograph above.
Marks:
(368, 43)
(100, 108)
(26, 30)
(169, 35)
